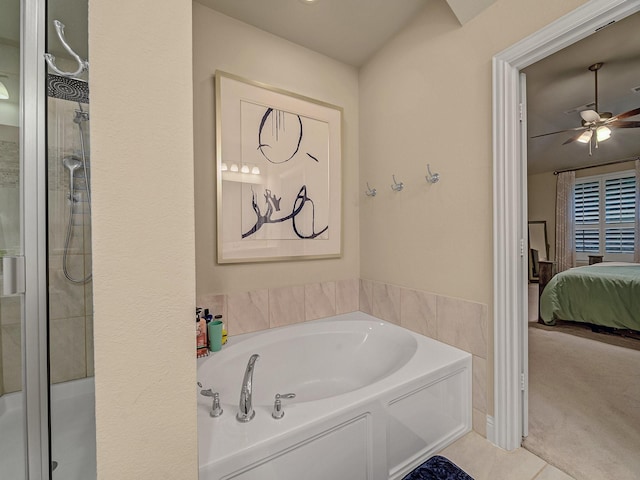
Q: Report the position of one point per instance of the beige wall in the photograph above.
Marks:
(429, 86)
(143, 239)
(619, 167)
(222, 43)
(426, 98)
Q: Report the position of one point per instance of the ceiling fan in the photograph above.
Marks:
(598, 123)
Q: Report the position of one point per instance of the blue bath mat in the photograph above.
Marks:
(438, 468)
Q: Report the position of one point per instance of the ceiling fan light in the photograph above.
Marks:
(603, 133)
(585, 137)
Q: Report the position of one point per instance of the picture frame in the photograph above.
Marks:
(278, 174)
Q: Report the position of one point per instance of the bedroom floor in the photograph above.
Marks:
(584, 405)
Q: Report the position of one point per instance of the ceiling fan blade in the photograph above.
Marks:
(590, 116)
(574, 138)
(630, 113)
(619, 124)
(560, 131)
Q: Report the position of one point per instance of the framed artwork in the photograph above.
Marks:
(279, 185)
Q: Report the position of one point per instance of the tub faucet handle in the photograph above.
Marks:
(216, 410)
(207, 393)
(278, 412)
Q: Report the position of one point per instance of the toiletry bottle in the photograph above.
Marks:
(224, 329)
(201, 335)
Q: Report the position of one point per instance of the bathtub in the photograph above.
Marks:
(373, 401)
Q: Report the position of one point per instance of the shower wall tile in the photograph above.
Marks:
(479, 383)
(89, 344)
(9, 164)
(58, 223)
(87, 235)
(463, 324)
(1, 379)
(10, 222)
(88, 298)
(319, 300)
(386, 302)
(248, 311)
(68, 360)
(366, 296)
(12, 358)
(66, 299)
(286, 306)
(11, 310)
(418, 312)
(347, 295)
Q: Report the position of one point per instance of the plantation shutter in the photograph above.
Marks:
(587, 216)
(620, 209)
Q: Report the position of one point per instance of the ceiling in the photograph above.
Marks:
(350, 31)
(562, 82)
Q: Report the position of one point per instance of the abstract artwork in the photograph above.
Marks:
(278, 173)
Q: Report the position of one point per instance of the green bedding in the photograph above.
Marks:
(598, 294)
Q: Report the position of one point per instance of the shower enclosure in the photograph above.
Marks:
(47, 420)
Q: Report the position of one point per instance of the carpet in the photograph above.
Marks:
(623, 338)
(584, 406)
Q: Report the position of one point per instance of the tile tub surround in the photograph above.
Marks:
(457, 322)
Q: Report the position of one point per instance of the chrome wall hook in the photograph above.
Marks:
(371, 192)
(396, 187)
(432, 177)
(83, 65)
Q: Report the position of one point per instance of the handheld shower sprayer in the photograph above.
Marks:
(72, 163)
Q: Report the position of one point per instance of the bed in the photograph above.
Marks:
(605, 294)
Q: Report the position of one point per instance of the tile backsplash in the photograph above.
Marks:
(457, 322)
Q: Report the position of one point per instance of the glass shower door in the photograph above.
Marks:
(12, 401)
(70, 286)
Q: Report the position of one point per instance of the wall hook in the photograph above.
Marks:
(432, 178)
(396, 187)
(371, 192)
(83, 65)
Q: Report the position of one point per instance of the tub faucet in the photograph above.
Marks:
(246, 412)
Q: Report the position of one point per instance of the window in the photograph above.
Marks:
(604, 209)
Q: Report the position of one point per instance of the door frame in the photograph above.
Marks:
(35, 381)
(505, 429)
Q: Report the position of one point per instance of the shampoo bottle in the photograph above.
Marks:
(201, 335)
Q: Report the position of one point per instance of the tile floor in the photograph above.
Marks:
(484, 461)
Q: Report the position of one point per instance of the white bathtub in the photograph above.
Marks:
(373, 401)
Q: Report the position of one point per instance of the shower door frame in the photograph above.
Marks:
(33, 155)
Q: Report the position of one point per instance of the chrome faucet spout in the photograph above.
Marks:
(246, 412)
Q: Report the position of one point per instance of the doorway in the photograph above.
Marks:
(510, 208)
